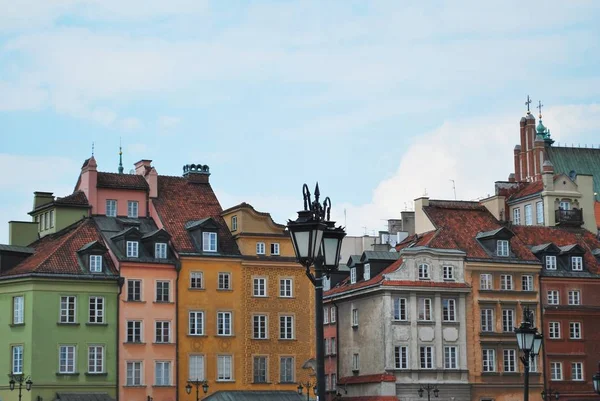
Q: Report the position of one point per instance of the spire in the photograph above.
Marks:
(92, 149)
(527, 103)
(120, 158)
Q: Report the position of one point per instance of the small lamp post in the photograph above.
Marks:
(529, 341)
(596, 380)
(20, 380)
(197, 383)
(308, 386)
(429, 388)
(550, 392)
(317, 241)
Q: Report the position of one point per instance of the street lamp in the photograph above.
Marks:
(596, 380)
(317, 241)
(550, 392)
(529, 341)
(308, 386)
(429, 388)
(20, 380)
(197, 383)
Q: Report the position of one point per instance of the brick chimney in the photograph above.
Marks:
(88, 180)
(196, 173)
(548, 175)
(145, 169)
(42, 198)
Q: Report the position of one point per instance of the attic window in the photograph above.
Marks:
(160, 250)
(233, 223)
(209, 242)
(96, 263)
(367, 272)
(502, 248)
(424, 272)
(132, 249)
(353, 275)
(550, 262)
(577, 263)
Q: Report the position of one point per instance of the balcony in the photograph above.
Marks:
(572, 217)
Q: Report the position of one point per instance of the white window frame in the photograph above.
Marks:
(574, 297)
(565, 205)
(527, 282)
(260, 327)
(196, 323)
(556, 371)
(162, 332)
(506, 313)
(367, 271)
(448, 273)
(275, 248)
(509, 360)
(325, 315)
(17, 360)
(550, 262)
(96, 310)
(67, 359)
(577, 263)
(163, 372)
(225, 323)
(160, 250)
(554, 330)
(96, 263)
(487, 320)
(65, 315)
(528, 209)
(133, 248)
(333, 311)
(224, 281)
(425, 309)
(95, 359)
(259, 287)
(286, 288)
(577, 371)
(553, 297)
(488, 359)
(502, 248)
(287, 330)
(168, 286)
(260, 248)
(133, 208)
(539, 212)
(517, 216)
(352, 275)
(196, 367)
(209, 241)
(18, 309)
(426, 357)
(196, 278)
(224, 368)
(400, 309)
(134, 373)
(575, 332)
(355, 362)
(234, 223)
(401, 357)
(424, 271)
(506, 282)
(354, 317)
(110, 210)
(486, 281)
(450, 357)
(449, 311)
(286, 373)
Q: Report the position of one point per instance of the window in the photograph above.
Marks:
(260, 287)
(508, 320)
(401, 357)
(426, 357)
(425, 309)
(487, 320)
(528, 215)
(209, 242)
(95, 359)
(533, 364)
(527, 283)
(550, 262)
(42, 223)
(96, 312)
(196, 280)
(260, 369)
(353, 275)
(286, 327)
(510, 364)
(449, 310)
(424, 271)
(47, 216)
(575, 330)
(333, 381)
(574, 297)
(506, 282)
(400, 309)
(111, 208)
(448, 272)
(134, 331)
(553, 297)
(17, 360)
(539, 213)
(162, 291)
(224, 281)
(285, 288)
(485, 281)
(132, 249)
(160, 250)
(489, 360)
(355, 362)
(502, 247)
(565, 205)
(554, 329)
(286, 369)
(326, 283)
(577, 263)
(260, 248)
(576, 371)
(275, 248)
(134, 290)
(516, 216)
(162, 332)
(450, 357)
(333, 347)
(224, 324)
(367, 272)
(134, 374)
(51, 214)
(66, 359)
(327, 347)
(196, 369)
(18, 309)
(333, 311)
(67, 309)
(259, 327)
(132, 209)
(325, 315)
(162, 373)
(196, 323)
(556, 371)
(96, 263)
(234, 223)
(354, 317)
(224, 368)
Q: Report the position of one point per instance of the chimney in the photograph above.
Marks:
(408, 221)
(145, 169)
(196, 173)
(42, 198)
(548, 175)
(422, 222)
(89, 181)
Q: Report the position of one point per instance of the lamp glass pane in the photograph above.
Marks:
(596, 381)
(537, 344)
(317, 236)
(301, 243)
(520, 339)
(330, 246)
(529, 336)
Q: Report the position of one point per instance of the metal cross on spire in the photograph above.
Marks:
(527, 103)
(539, 107)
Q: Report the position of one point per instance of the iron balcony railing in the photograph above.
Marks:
(569, 217)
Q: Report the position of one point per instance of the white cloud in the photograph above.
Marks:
(130, 124)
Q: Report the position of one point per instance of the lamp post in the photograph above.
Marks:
(308, 386)
(529, 341)
(429, 388)
(317, 241)
(596, 380)
(20, 380)
(550, 392)
(197, 383)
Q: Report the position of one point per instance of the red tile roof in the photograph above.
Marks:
(180, 201)
(411, 283)
(372, 398)
(346, 286)
(376, 378)
(77, 198)
(122, 181)
(597, 213)
(57, 253)
(530, 188)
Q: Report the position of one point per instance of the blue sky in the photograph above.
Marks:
(381, 101)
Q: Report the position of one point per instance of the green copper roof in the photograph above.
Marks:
(580, 160)
(540, 128)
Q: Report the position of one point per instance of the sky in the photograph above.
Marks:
(381, 102)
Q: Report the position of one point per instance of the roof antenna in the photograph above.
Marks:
(453, 188)
(120, 158)
(92, 148)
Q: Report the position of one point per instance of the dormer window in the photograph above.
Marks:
(424, 271)
(260, 248)
(367, 272)
(209, 242)
(233, 223)
(132, 209)
(448, 272)
(353, 275)
(96, 263)
(502, 248)
(160, 250)
(550, 262)
(132, 249)
(577, 263)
